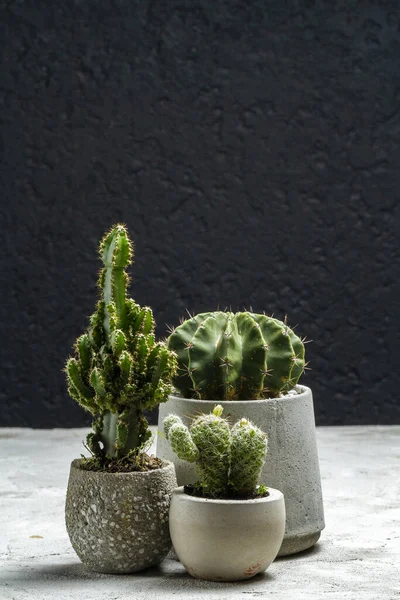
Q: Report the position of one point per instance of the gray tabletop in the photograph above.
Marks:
(357, 557)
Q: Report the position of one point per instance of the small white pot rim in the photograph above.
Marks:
(273, 496)
(301, 390)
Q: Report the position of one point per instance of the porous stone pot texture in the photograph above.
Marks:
(291, 465)
(226, 540)
(118, 522)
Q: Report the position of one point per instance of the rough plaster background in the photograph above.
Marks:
(253, 150)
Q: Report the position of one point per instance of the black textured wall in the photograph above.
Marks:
(252, 147)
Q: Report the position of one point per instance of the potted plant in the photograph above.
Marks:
(118, 499)
(251, 365)
(224, 527)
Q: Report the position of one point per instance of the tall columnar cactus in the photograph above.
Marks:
(119, 370)
(229, 460)
(236, 356)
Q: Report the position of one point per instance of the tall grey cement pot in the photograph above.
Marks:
(291, 466)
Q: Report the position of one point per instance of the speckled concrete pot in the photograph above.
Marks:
(226, 540)
(118, 522)
(292, 464)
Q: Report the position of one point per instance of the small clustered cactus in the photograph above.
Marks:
(119, 370)
(229, 459)
(236, 356)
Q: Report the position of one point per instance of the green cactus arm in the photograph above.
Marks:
(211, 435)
(248, 451)
(125, 363)
(144, 321)
(141, 354)
(170, 420)
(117, 342)
(116, 252)
(161, 393)
(95, 333)
(132, 311)
(75, 395)
(161, 366)
(180, 439)
(84, 351)
(115, 247)
(148, 322)
(74, 377)
(97, 381)
(165, 362)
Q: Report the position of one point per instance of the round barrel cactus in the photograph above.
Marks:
(236, 356)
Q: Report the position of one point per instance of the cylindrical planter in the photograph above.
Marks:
(226, 540)
(118, 522)
(292, 461)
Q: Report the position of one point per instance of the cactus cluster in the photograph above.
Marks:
(236, 356)
(119, 370)
(229, 459)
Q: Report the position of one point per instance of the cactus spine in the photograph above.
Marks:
(229, 460)
(119, 370)
(236, 356)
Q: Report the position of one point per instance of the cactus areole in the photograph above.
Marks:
(119, 370)
(236, 356)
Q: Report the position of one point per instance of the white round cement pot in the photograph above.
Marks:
(291, 466)
(118, 522)
(226, 540)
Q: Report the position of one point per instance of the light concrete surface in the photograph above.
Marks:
(357, 557)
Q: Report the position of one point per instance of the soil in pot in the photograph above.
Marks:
(198, 491)
(134, 462)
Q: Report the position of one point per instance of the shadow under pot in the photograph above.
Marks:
(226, 540)
(118, 522)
